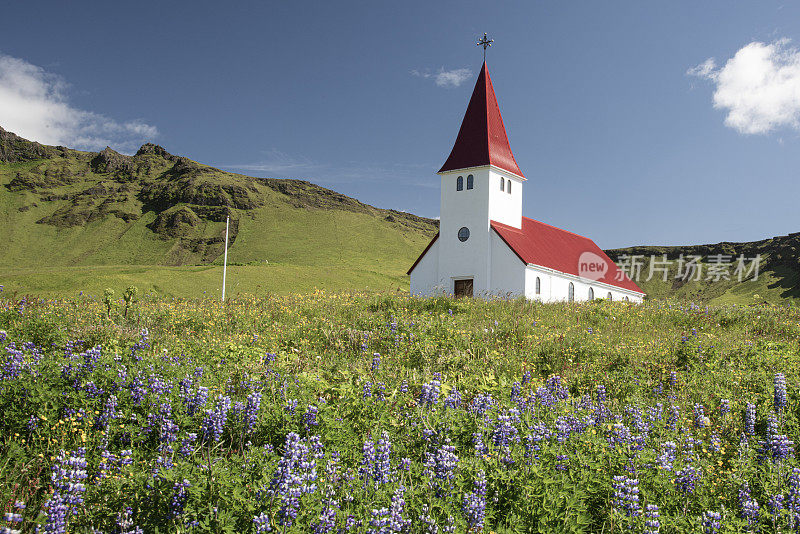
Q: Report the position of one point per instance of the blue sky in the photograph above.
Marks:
(626, 131)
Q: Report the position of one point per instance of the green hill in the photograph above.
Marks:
(74, 220)
(778, 276)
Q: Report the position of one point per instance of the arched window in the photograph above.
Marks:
(538, 286)
(571, 292)
(460, 183)
(625, 299)
(591, 293)
(609, 297)
(470, 181)
(508, 187)
(502, 184)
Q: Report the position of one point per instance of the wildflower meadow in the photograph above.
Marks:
(390, 414)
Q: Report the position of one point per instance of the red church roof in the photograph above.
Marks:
(482, 138)
(540, 244)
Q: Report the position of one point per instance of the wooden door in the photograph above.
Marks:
(463, 288)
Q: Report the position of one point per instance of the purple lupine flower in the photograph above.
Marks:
(562, 462)
(404, 386)
(619, 436)
(251, 410)
(775, 504)
(748, 506)
(380, 391)
(504, 432)
(327, 518)
(526, 378)
(481, 404)
(626, 495)
(780, 392)
(673, 417)
(214, 420)
(67, 476)
(651, 523)
(440, 464)
(396, 521)
(383, 469)
(667, 457)
(426, 519)
(310, 417)
(178, 498)
(711, 522)
(724, 408)
(367, 468)
(261, 522)
(687, 478)
(750, 419)
(109, 412)
(555, 387)
(700, 420)
(366, 390)
(480, 447)
(453, 399)
(198, 400)
(294, 477)
(793, 498)
(673, 379)
(474, 503)
(186, 449)
(430, 393)
(376, 362)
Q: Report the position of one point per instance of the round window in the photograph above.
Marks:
(463, 233)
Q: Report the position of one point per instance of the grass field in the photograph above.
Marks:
(364, 412)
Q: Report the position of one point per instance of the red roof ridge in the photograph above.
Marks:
(513, 228)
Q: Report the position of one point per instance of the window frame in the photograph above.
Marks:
(470, 182)
(460, 183)
(502, 184)
(571, 292)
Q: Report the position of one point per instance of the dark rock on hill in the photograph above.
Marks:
(110, 161)
(15, 149)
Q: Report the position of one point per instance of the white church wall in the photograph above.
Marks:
(425, 276)
(467, 208)
(505, 207)
(507, 270)
(555, 287)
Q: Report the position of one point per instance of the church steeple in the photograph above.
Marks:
(482, 139)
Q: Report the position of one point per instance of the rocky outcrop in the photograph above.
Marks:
(111, 161)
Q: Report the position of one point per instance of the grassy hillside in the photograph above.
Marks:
(78, 220)
(778, 278)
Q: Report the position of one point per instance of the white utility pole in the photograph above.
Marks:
(225, 261)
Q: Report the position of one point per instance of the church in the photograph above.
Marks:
(485, 247)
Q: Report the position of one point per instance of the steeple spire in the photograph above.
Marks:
(482, 139)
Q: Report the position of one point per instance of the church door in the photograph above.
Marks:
(463, 288)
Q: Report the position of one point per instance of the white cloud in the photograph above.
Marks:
(33, 105)
(278, 162)
(759, 87)
(445, 78)
(704, 69)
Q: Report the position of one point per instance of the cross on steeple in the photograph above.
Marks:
(486, 43)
